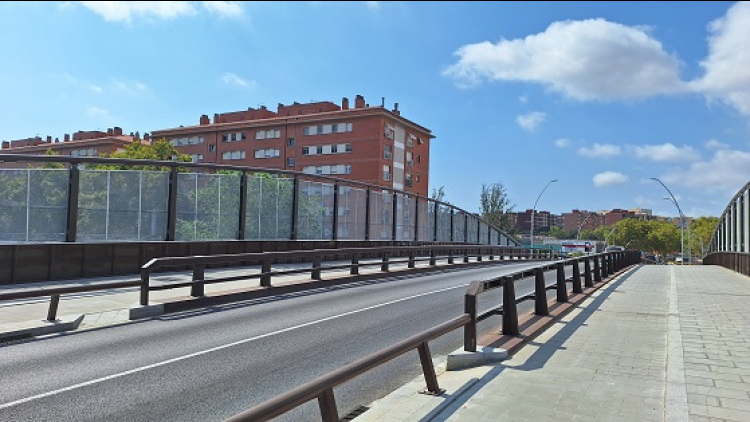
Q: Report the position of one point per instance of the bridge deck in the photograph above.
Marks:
(659, 343)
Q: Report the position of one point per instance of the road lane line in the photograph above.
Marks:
(214, 349)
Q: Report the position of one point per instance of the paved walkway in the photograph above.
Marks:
(658, 343)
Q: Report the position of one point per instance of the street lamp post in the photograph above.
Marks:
(533, 210)
(682, 222)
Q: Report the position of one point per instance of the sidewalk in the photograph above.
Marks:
(658, 343)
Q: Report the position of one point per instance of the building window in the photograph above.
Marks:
(234, 136)
(305, 150)
(410, 141)
(387, 152)
(419, 158)
(334, 149)
(197, 158)
(290, 142)
(243, 136)
(319, 149)
(348, 148)
(233, 155)
(211, 148)
(409, 179)
(347, 169)
(388, 131)
(409, 159)
(266, 153)
(386, 173)
(224, 137)
(290, 161)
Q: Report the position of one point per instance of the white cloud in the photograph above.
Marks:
(230, 9)
(133, 88)
(373, 5)
(609, 178)
(232, 79)
(124, 11)
(98, 113)
(523, 99)
(726, 78)
(78, 82)
(726, 173)
(587, 60)
(714, 144)
(530, 121)
(562, 143)
(666, 153)
(600, 150)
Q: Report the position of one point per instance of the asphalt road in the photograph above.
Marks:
(207, 365)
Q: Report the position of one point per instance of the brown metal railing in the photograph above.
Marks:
(736, 261)
(605, 264)
(408, 254)
(54, 293)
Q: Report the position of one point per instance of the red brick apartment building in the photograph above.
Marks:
(92, 143)
(369, 144)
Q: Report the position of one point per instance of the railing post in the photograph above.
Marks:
(450, 255)
(199, 274)
(466, 254)
(74, 186)
(436, 207)
(294, 235)
(416, 219)
(562, 288)
(428, 369)
(452, 228)
(315, 273)
(597, 269)
(54, 302)
(577, 288)
(587, 272)
(433, 257)
(172, 205)
(367, 213)
(144, 286)
(470, 329)
(510, 311)
(242, 227)
(479, 254)
(265, 268)
(540, 293)
(394, 213)
(327, 405)
(355, 264)
(411, 259)
(384, 264)
(335, 231)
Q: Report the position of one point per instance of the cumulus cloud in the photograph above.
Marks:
(530, 121)
(600, 151)
(591, 59)
(125, 11)
(224, 8)
(726, 78)
(98, 113)
(233, 79)
(609, 178)
(726, 172)
(714, 144)
(666, 153)
(562, 143)
(133, 88)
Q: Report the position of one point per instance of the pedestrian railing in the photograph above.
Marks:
(604, 265)
(383, 257)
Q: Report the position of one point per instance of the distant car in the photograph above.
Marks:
(614, 248)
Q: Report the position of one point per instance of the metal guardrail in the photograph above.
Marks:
(55, 292)
(316, 257)
(321, 388)
(736, 261)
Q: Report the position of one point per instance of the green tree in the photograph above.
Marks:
(438, 194)
(161, 150)
(497, 207)
(701, 231)
(559, 233)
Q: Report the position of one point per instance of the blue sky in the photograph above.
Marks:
(602, 96)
